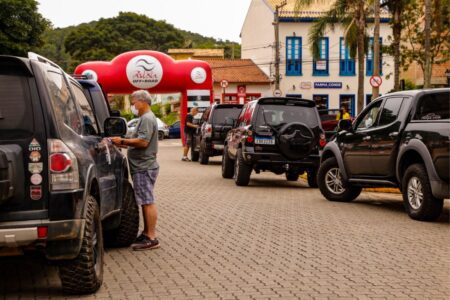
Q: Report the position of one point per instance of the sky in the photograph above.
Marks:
(211, 18)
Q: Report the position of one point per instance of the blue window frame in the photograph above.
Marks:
(349, 101)
(321, 100)
(346, 63)
(369, 58)
(321, 65)
(293, 56)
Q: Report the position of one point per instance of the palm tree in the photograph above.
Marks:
(351, 14)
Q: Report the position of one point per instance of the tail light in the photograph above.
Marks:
(42, 232)
(208, 130)
(322, 141)
(63, 167)
(249, 137)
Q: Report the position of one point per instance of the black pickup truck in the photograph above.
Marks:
(399, 140)
(62, 182)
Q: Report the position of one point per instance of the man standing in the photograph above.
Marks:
(189, 129)
(142, 150)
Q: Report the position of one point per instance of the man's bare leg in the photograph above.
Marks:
(150, 214)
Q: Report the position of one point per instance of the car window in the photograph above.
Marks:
(89, 121)
(16, 113)
(390, 110)
(434, 106)
(64, 106)
(176, 125)
(220, 114)
(279, 115)
(369, 117)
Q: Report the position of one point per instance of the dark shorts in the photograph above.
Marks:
(144, 183)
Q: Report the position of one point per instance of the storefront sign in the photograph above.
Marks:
(305, 85)
(328, 85)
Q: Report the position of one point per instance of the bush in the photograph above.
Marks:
(127, 115)
(156, 109)
(167, 108)
(171, 118)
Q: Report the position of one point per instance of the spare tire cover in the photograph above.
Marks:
(296, 140)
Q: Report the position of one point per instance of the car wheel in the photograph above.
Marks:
(331, 184)
(292, 176)
(125, 234)
(417, 196)
(160, 135)
(227, 164)
(203, 157)
(312, 178)
(194, 154)
(84, 274)
(242, 171)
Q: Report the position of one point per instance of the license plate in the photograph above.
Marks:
(265, 140)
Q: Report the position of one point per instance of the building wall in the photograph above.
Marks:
(258, 30)
(263, 89)
(257, 35)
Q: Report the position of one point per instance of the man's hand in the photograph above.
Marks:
(116, 140)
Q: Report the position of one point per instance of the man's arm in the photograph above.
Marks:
(136, 143)
(192, 125)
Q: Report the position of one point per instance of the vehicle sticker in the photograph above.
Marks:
(34, 146)
(35, 156)
(36, 192)
(36, 179)
(35, 168)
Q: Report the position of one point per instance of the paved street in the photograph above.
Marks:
(273, 239)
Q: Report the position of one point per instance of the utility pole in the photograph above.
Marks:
(276, 23)
(427, 37)
(376, 46)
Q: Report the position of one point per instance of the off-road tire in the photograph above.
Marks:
(194, 154)
(79, 276)
(125, 234)
(160, 135)
(292, 176)
(242, 171)
(350, 192)
(311, 175)
(203, 157)
(431, 207)
(227, 164)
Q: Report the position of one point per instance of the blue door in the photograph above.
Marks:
(349, 102)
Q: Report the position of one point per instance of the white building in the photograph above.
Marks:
(332, 80)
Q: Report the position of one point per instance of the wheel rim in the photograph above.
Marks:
(333, 181)
(415, 193)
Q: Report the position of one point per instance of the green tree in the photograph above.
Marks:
(351, 15)
(21, 26)
(414, 46)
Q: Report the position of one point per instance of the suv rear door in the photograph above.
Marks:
(22, 143)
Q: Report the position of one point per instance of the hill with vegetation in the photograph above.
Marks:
(106, 38)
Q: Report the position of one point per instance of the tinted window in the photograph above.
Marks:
(369, 117)
(89, 122)
(16, 114)
(63, 105)
(390, 111)
(279, 115)
(221, 113)
(433, 107)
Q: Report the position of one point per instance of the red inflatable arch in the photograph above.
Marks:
(156, 72)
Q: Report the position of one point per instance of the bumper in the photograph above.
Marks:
(277, 159)
(62, 241)
(213, 149)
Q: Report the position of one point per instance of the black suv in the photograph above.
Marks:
(281, 135)
(399, 140)
(215, 123)
(62, 182)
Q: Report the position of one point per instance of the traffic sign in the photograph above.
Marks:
(277, 93)
(375, 81)
(224, 83)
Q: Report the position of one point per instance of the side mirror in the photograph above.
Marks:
(229, 121)
(115, 113)
(345, 125)
(115, 126)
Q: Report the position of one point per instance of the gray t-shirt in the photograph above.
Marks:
(145, 158)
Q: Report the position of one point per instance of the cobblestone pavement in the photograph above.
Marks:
(273, 239)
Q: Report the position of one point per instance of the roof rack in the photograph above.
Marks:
(37, 57)
(81, 76)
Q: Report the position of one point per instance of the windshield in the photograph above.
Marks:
(222, 113)
(279, 115)
(16, 114)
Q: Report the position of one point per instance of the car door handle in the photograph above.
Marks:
(393, 134)
(367, 138)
